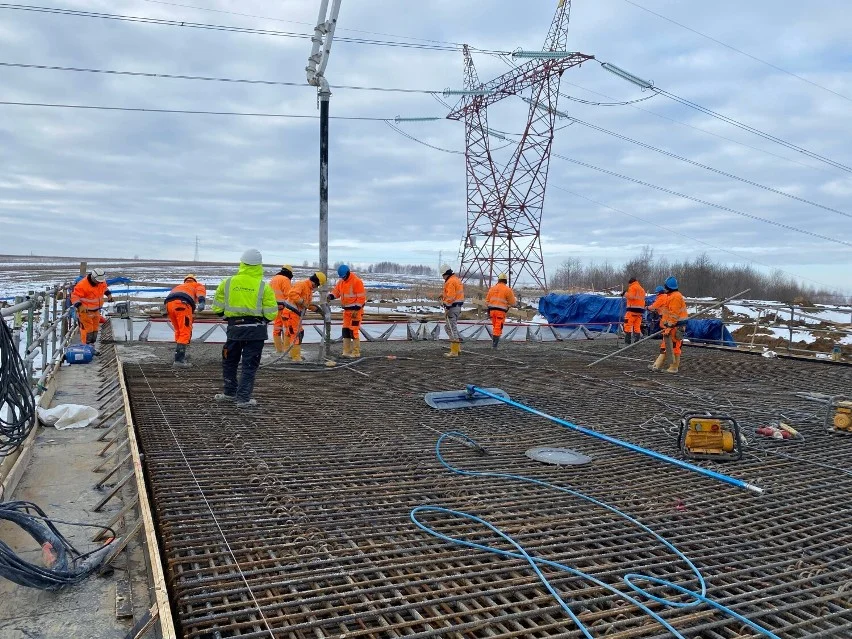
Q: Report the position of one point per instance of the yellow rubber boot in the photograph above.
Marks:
(658, 364)
(279, 343)
(455, 348)
(356, 347)
(296, 353)
(347, 347)
(675, 366)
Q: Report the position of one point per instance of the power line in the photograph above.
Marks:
(740, 51)
(414, 139)
(704, 202)
(709, 168)
(147, 74)
(227, 28)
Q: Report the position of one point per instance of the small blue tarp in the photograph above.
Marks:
(605, 314)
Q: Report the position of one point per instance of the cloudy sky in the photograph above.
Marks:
(119, 184)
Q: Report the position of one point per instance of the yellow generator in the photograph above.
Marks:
(715, 437)
(840, 413)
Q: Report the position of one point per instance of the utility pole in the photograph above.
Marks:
(317, 62)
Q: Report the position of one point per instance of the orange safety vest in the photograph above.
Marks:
(351, 292)
(188, 292)
(500, 297)
(635, 297)
(300, 296)
(281, 284)
(90, 296)
(674, 309)
(453, 292)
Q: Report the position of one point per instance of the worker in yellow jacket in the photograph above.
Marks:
(499, 299)
(453, 300)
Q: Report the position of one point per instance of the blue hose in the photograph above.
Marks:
(733, 481)
(534, 562)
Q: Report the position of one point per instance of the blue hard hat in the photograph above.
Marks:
(342, 270)
(671, 283)
(659, 290)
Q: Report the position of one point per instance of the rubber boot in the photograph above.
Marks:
(180, 357)
(494, 341)
(356, 348)
(279, 343)
(658, 364)
(455, 348)
(628, 338)
(285, 340)
(347, 347)
(637, 337)
(675, 366)
(296, 354)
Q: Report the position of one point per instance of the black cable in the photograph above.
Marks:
(16, 396)
(68, 566)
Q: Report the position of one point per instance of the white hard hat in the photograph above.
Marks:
(252, 257)
(446, 268)
(98, 275)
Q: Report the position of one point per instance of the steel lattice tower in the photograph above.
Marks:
(504, 202)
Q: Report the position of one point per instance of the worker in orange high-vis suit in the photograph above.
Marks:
(635, 298)
(655, 324)
(281, 283)
(499, 299)
(352, 295)
(674, 324)
(453, 300)
(299, 301)
(87, 297)
(181, 304)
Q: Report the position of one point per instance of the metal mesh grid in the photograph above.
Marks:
(313, 493)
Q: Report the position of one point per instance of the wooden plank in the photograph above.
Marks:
(161, 594)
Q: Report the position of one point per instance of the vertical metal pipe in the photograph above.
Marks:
(790, 342)
(30, 321)
(17, 320)
(324, 98)
(55, 306)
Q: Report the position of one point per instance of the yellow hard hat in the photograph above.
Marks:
(321, 277)
(288, 267)
(502, 276)
(191, 276)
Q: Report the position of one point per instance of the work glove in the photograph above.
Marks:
(329, 297)
(200, 306)
(78, 304)
(109, 299)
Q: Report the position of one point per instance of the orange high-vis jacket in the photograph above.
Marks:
(281, 284)
(500, 297)
(188, 292)
(90, 296)
(300, 296)
(351, 292)
(635, 297)
(453, 291)
(674, 309)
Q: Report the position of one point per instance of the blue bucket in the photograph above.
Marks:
(79, 354)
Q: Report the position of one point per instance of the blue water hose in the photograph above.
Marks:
(739, 483)
(629, 579)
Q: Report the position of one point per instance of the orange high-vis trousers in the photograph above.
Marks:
(90, 322)
(352, 322)
(278, 324)
(293, 325)
(180, 315)
(632, 322)
(498, 318)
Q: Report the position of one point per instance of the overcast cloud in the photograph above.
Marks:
(120, 184)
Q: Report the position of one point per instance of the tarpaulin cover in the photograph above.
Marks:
(599, 313)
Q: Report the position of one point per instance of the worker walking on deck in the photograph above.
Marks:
(635, 298)
(87, 297)
(248, 304)
(300, 301)
(453, 299)
(352, 295)
(674, 314)
(281, 283)
(181, 304)
(499, 299)
(655, 324)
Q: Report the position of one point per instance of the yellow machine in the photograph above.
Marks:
(715, 437)
(841, 419)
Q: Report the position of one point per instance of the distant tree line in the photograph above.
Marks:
(400, 269)
(699, 277)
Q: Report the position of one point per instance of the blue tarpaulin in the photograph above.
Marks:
(599, 313)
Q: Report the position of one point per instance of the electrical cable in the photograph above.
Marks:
(414, 139)
(68, 566)
(227, 28)
(705, 202)
(631, 580)
(16, 396)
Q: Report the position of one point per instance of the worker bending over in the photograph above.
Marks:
(635, 298)
(299, 301)
(281, 283)
(350, 290)
(87, 297)
(181, 305)
(248, 304)
(453, 299)
(499, 299)
(674, 314)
